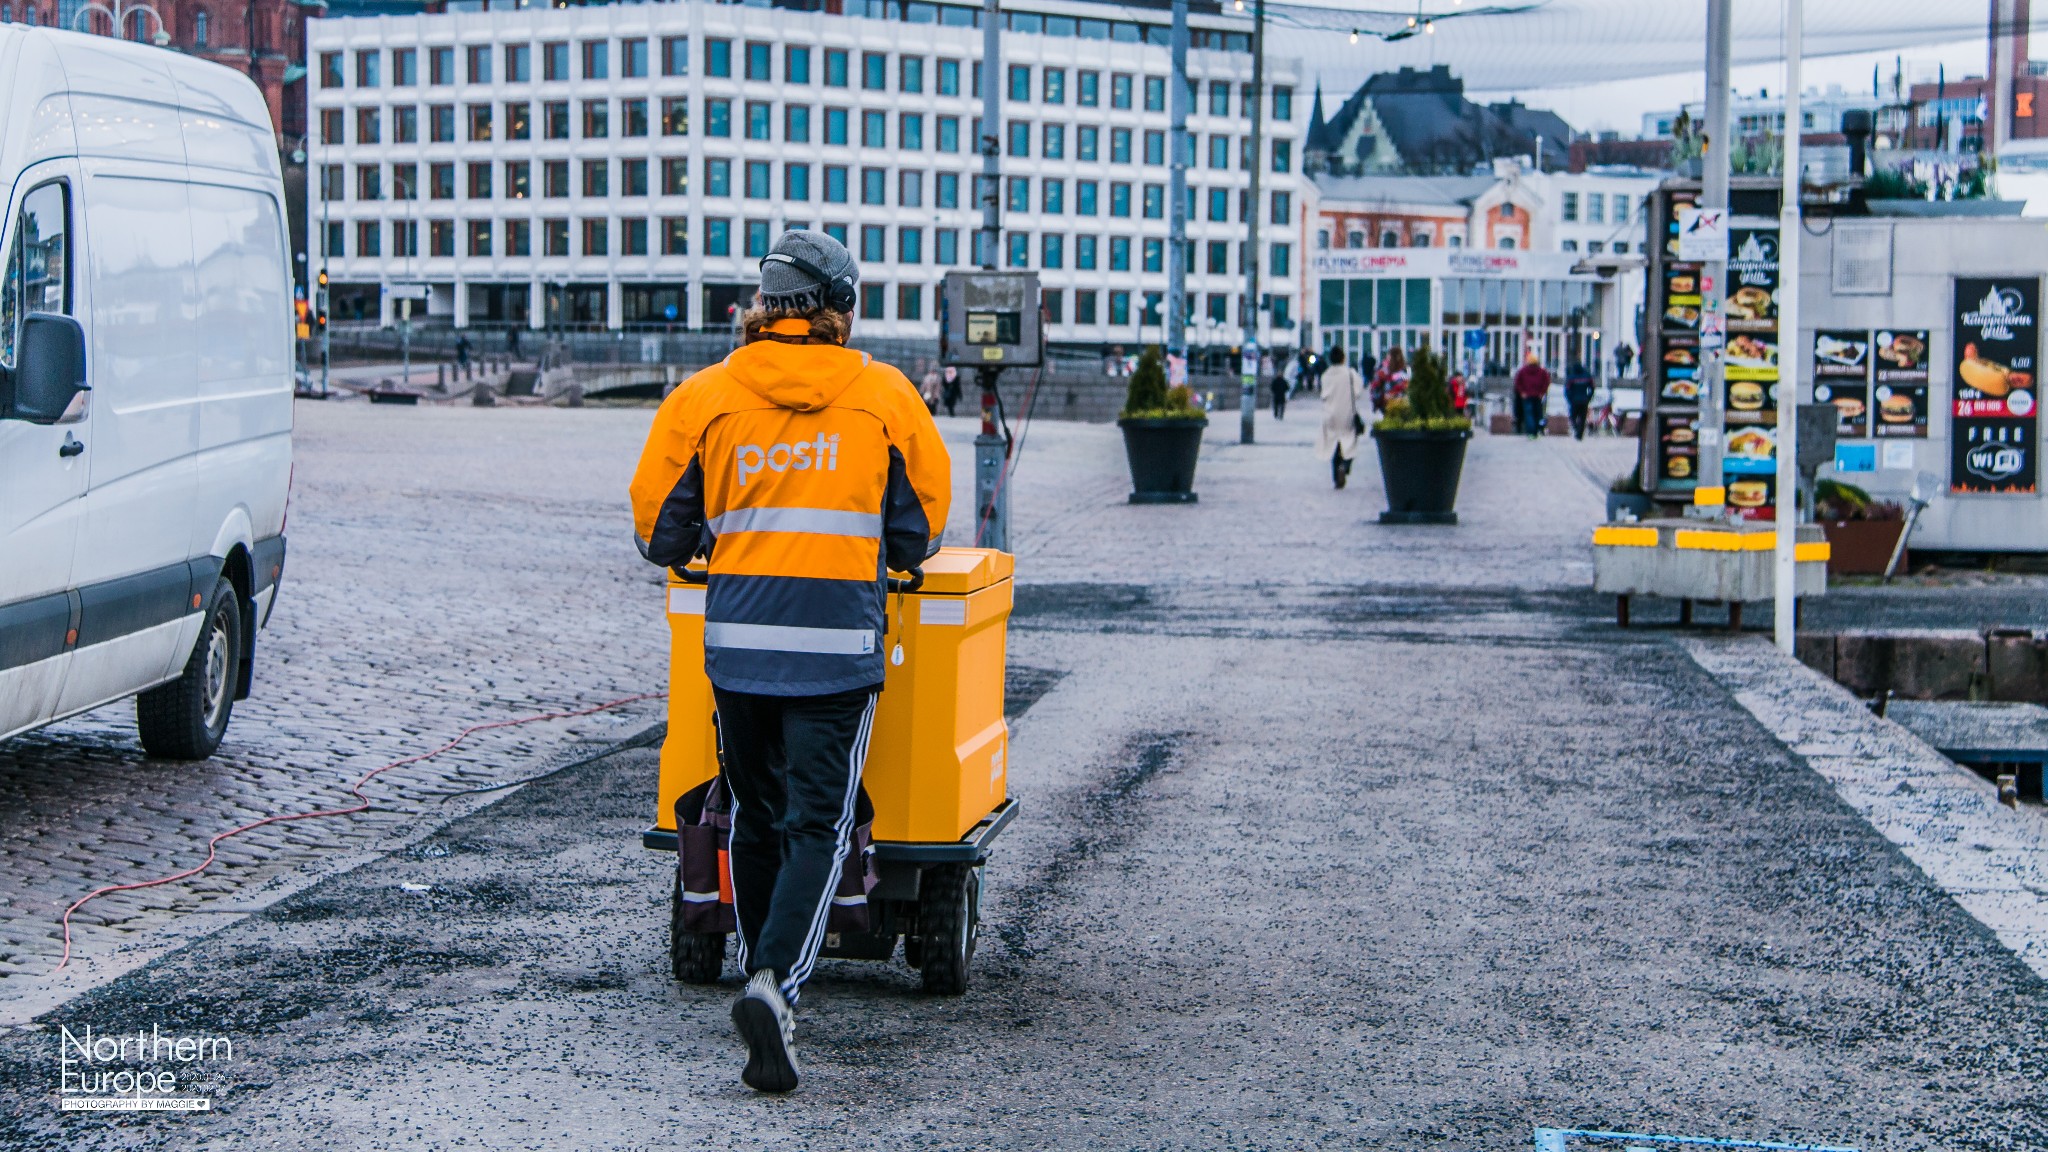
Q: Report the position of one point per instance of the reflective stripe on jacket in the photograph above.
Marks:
(803, 471)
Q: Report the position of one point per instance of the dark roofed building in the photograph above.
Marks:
(1419, 123)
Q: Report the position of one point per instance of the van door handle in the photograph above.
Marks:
(71, 448)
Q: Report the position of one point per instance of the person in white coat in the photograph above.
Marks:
(1343, 416)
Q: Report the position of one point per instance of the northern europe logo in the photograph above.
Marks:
(802, 456)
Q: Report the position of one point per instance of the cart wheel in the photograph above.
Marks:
(948, 909)
(694, 957)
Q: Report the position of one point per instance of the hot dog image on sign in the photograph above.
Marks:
(1993, 418)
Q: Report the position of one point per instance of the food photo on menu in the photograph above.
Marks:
(1900, 395)
(1841, 376)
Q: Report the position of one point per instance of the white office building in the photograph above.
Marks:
(627, 165)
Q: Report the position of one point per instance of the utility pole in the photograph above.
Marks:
(326, 240)
(1177, 191)
(1784, 606)
(991, 447)
(1255, 108)
(1711, 495)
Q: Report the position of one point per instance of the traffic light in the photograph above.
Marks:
(301, 326)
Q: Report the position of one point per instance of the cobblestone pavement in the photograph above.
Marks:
(455, 565)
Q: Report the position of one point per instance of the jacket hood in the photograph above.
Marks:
(806, 377)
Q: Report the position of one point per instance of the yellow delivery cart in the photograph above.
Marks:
(937, 772)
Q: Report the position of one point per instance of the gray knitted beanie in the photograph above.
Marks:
(787, 288)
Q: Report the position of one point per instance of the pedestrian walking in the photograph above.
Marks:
(1390, 383)
(1343, 396)
(1532, 384)
(1578, 396)
(1623, 357)
(932, 388)
(1279, 387)
(802, 470)
(462, 350)
(950, 395)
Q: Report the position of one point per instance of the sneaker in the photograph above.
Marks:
(769, 1029)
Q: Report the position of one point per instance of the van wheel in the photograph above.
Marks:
(186, 718)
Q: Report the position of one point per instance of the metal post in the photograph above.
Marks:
(326, 235)
(1177, 191)
(991, 448)
(1784, 617)
(405, 338)
(1710, 495)
(1254, 106)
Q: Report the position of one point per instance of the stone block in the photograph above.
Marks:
(1501, 424)
(1816, 650)
(2016, 664)
(1915, 665)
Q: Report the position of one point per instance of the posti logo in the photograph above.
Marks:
(801, 456)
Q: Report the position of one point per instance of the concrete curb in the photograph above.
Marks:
(1991, 859)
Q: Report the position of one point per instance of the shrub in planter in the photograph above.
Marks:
(1861, 532)
(1162, 435)
(1421, 442)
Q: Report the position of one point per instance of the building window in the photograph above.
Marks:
(633, 237)
(518, 180)
(554, 61)
(1088, 89)
(1507, 243)
(1119, 254)
(1020, 250)
(874, 129)
(1155, 93)
(796, 181)
(1155, 201)
(874, 185)
(1052, 195)
(200, 27)
(910, 74)
(333, 185)
(1219, 257)
(675, 56)
(1571, 207)
(949, 77)
(946, 190)
(518, 237)
(1084, 253)
(555, 179)
(367, 126)
(441, 238)
(949, 134)
(1052, 301)
(717, 57)
(1084, 197)
(518, 63)
(1020, 82)
(1155, 255)
(405, 69)
(874, 71)
(1390, 239)
(1219, 305)
(405, 238)
(946, 246)
(835, 67)
(366, 73)
(1279, 256)
(1219, 98)
(835, 184)
(1084, 306)
(633, 60)
(872, 301)
(675, 176)
(597, 119)
(1219, 152)
(1355, 240)
(1419, 240)
(479, 121)
(796, 123)
(596, 237)
(1086, 138)
(555, 119)
(717, 177)
(909, 246)
(1283, 103)
(330, 70)
(1596, 208)
(1120, 90)
(757, 180)
(480, 181)
(796, 64)
(909, 189)
(717, 237)
(1155, 147)
(874, 243)
(1119, 308)
(441, 123)
(1283, 155)
(1053, 142)
(760, 60)
(1282, 208)
(1052, 250)
(675, 236)
(675, 116)
(369, 182)
(441, 65)
(519, 121)
(1055, 86)
(910, 132)
(756, 239)
(331, 131)
(760, 120)
(835, 125)
(369, 238)
(405, 182)
(1020, 194)
(597, 178)
(718, 117)
(910, 301)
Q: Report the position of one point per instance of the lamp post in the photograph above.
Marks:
(118, 14)
(1784, 618)
(1254, 107)
(1178, 99)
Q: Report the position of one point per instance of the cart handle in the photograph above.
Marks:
(916, 581)
(690, 575)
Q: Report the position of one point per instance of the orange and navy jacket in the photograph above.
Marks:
(803, 471)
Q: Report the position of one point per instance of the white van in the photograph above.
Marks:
(145, 384)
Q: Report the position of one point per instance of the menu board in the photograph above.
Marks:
(1992, 429)
(1679, 203)
(1900, 398)
(1752, 280)
(1681, 370)
(1682, 298)
(1678, 450)
(1841, 376)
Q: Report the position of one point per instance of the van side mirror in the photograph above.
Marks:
(49, 369)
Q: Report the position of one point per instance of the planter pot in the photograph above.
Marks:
(1420, 470)
(1162, 454)
(1861, 547)
(1637, 504)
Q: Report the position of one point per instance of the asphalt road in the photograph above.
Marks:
(1322, 867)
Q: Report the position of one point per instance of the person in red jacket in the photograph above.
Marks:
(1532, 385)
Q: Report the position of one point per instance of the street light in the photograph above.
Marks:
(118, 15)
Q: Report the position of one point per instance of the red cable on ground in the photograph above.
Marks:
(212, 845)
